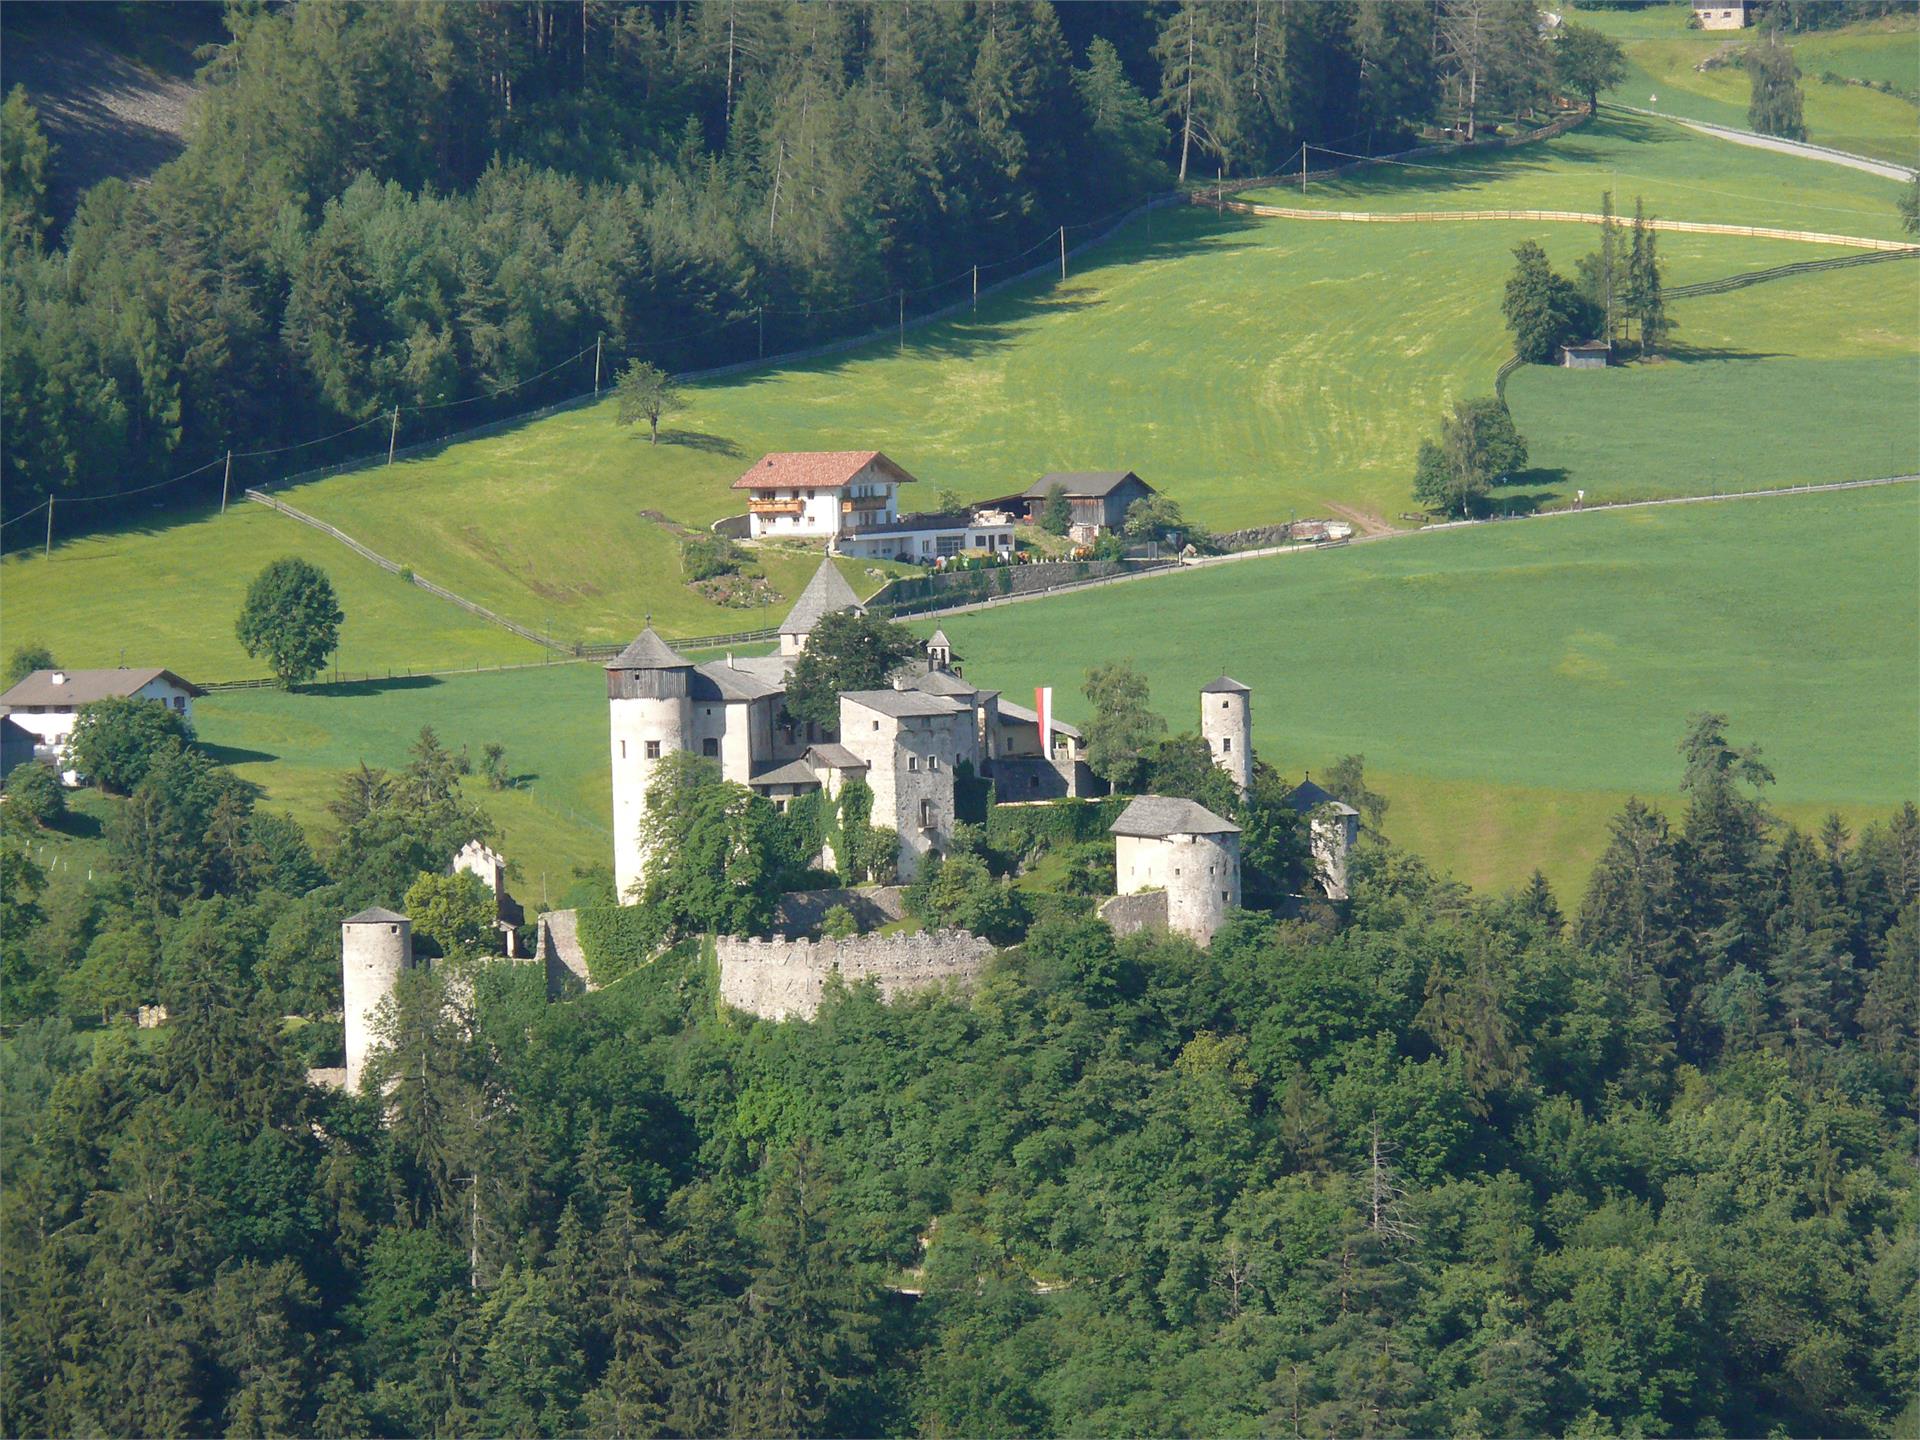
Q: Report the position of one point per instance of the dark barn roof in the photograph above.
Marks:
(1082, 484)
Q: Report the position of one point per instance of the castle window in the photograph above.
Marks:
(623, 749)
(876, 724)
(653, 749)
(913, 762)
(1223, 895)
(933, 762)
(1226, 745)
(710, 747)
(926, 812)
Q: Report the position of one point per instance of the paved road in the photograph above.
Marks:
(1884, 168)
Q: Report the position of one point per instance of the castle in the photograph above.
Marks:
(906, 742)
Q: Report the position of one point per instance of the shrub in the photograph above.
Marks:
(839, 924)
(618, 939)
(24, 659)
(708, 557)
(35, 793)
(116, 741)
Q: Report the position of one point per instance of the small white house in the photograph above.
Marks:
(1721, 14)
(928, 538)
(47, 703)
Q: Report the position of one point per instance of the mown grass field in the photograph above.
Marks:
(1662, 52)
(1253, 369)
(1509, 685)
(1679, 173)
(168, 594)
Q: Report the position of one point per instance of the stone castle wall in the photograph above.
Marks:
(783, 979)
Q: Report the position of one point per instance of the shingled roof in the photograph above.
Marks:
(816, 470)
(74, 688)
(1225, 685)
(827, 593)
(649, 652)
(1081, 484)
(1309, 796)
(374, 915)
(902, 703)
(1158, 816)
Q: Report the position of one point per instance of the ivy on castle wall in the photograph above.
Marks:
(618, 939)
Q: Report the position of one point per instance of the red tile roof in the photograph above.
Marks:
(816, 470)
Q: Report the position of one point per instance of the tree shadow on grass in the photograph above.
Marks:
(234, 754)
(696, 440)
(77, 825)
(1684, 354)
(1526, 494)
(360, 689)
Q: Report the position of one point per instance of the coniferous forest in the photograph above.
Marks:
(445, 208)
(1638, 1163)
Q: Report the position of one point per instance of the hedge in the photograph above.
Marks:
(1023, 829)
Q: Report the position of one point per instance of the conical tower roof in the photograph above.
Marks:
(649, 652)
(827, 593)
(1225, 685)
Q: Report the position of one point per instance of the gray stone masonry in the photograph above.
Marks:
(785, 979)
(801, 912)
(1143, 910)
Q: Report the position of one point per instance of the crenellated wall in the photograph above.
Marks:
(785, 979)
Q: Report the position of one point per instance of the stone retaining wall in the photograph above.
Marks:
(784, 979)
(1146, 910)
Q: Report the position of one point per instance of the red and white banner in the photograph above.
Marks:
(1043, 706)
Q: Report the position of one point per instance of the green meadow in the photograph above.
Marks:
(1681, 174)
(1509, 685)
(1662, 53)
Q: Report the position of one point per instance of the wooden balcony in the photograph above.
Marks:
(776, 507)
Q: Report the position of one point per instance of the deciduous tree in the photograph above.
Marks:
(292, 617)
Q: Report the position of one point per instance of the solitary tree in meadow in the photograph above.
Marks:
(645, 392)
(292, 617)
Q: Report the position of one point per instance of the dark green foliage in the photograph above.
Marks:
(452, 915)
(1154, 517)
(292, 618)
(1775, 106)
(24, 159)
(1478, 448)
(24, 659)
(1586, 61)
(117, 740)
(395, 826)
(1436, 1164)
(1543, 310)
(644, 392)
(1910, 206)
(713, 852)
(706, 557)
(1056, 513)
(958, 890)
(34, 793)
(1122, 727)
(846, 651)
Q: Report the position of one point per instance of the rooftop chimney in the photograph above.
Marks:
(59, 677)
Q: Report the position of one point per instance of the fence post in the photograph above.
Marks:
(903, 321)
(1063, 252)
(596, 362)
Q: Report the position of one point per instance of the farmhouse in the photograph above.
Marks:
(850, 499)
(47, 703)
(1098, 498)
(1721, 14)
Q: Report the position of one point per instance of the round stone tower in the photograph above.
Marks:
(1202, 880)
(1226, 724)
(649, 697)
(375, 946)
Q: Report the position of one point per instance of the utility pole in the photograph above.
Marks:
(760, 319)
(49, 550)
(903, 321)
(393, 436)
(472, 1182)
(1063, 252)
(1303, 167)
(598, 338)
(976, 287)
(226, 480)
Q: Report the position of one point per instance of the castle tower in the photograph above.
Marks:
(1226, 724)
(827, 593)
(939, 651)
(651, 710)
(375, 946)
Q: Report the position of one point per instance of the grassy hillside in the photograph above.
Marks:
(1507, 684)
(1662, 53)
(169, 596)
(1680, 173)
